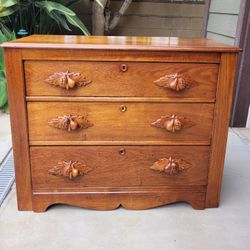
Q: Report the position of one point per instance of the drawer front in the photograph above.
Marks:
(57, 78)
(119, 121)
(64, 168)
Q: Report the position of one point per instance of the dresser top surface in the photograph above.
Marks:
(120, 43)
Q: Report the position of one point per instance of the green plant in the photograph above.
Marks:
(25, 17)
(38, 17)
(5, 36)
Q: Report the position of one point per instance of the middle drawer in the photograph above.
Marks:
(116, 121)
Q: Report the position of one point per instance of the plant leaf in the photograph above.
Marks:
(8, 11)
(75, 21)
(6, 36)
(8, 3)
(6, 108)
(54, 6)
(59, 19)
(3, 89)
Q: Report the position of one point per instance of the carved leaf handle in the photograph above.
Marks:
(67, 80)
(70, 122)
(175, 81)
(171, 166)
(70, 169)
(172, 123)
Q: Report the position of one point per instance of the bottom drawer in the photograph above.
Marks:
(71, 168)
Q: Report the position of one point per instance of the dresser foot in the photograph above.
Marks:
(40, 208)
(198, 205)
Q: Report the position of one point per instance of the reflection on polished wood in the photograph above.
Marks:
(120, 42)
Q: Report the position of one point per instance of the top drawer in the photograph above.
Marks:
(171, 80)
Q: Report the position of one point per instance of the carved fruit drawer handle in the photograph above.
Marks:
(171, 166)
(67, 80)
(70, 122)
(70, 169)
(172, 123)
(175, 81)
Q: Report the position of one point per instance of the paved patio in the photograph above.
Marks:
(5, 135)
(175, 226)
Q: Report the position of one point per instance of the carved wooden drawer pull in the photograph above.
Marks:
(172, 123)
(171, 166)
(70, 169)
(175, 81)
(67, 80)
(70, 122)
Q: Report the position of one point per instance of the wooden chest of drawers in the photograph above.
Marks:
(103, 122)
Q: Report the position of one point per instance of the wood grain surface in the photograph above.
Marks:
(120, 55)
(134, 199)
(111, 124)
(107, 79)
(116, 166)
(220, 128)
(121, 43)
(117, 159)
(19, 127)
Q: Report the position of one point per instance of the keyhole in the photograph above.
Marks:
(123, 108)
(123, 67)
(122, 151)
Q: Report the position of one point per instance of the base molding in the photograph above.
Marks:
(134, 200)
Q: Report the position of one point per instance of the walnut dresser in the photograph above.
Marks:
(103, 122)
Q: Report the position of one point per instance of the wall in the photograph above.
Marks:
(153, 18)
(222, 20)
(161, 19)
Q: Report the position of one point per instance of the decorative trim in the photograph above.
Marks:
(171, 166)
(67, 80)
(172, 123)
(70, 122)
(70, 169)
(176, 82)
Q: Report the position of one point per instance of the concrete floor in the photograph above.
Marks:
(175, 226)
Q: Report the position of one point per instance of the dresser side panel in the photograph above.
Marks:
(18, 116)
(220, 129)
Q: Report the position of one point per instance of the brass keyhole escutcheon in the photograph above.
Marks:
(122, 151)
(124, 67)
(123, 108)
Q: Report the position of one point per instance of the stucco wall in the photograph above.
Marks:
(153, 18)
